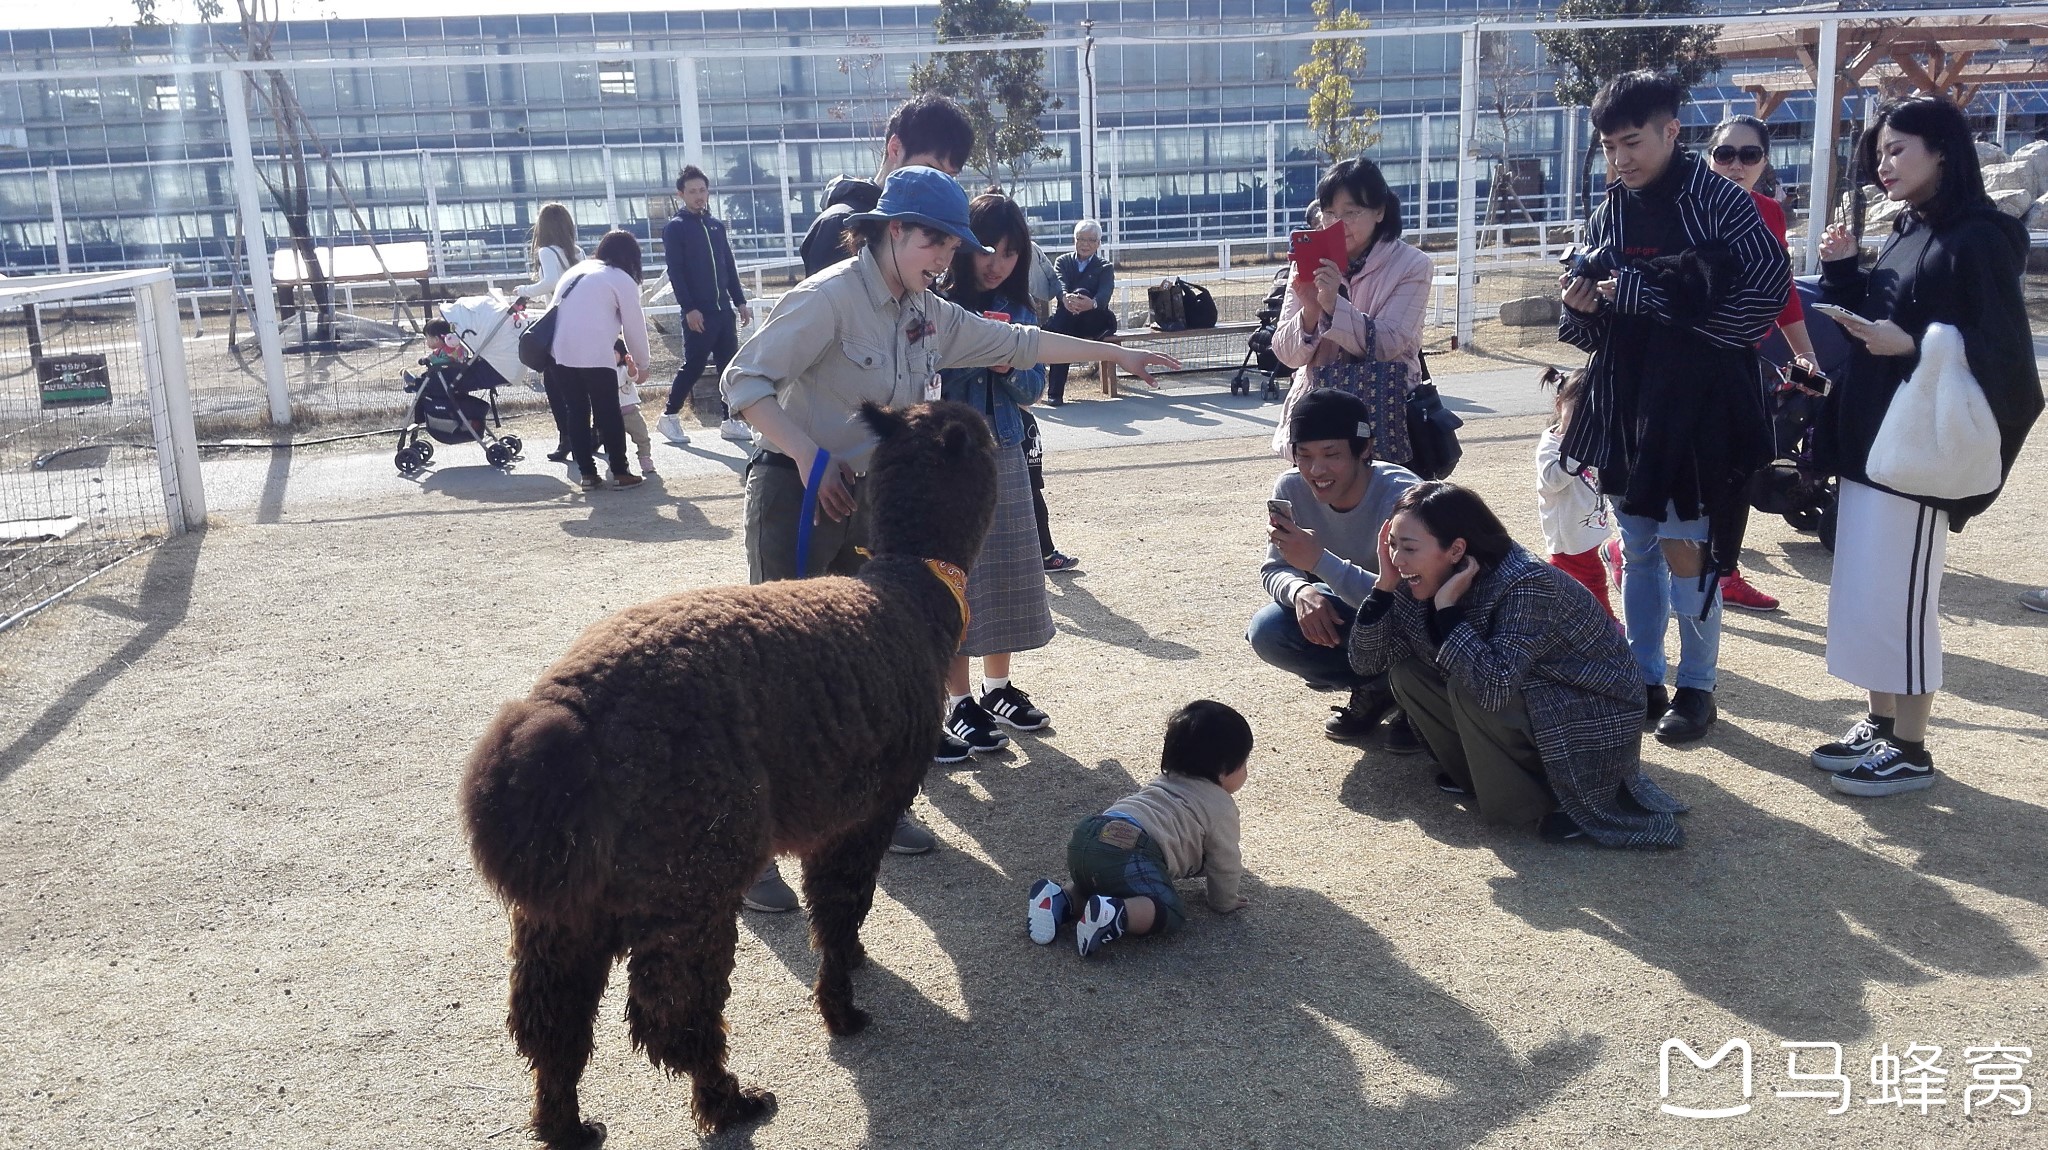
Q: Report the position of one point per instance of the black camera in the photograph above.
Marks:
(1589, 263)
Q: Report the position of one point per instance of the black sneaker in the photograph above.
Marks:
(974, 726)
(1692, 712)
(1355, 721)
(951, 750)
(1449, 785)
(1844, 753)
(1887, 769)
(1401, 737)
(1655, 702)
(1012, 708)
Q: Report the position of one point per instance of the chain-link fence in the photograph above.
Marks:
(96, 448)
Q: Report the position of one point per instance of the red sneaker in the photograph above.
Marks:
(1736, 592)
(1610, 557)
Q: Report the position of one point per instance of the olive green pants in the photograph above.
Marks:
(1489, 753)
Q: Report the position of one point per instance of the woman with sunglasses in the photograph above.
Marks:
(1741, 150)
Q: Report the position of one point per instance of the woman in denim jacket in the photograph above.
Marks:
(1006, 589)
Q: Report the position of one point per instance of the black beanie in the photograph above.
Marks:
(1329, 413)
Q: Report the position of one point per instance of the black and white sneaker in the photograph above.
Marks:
(974, 726)
(951, 750)
(1844, 753)
(1012, 708)
(1887, 770)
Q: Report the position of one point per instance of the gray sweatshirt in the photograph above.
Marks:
(1351, 539)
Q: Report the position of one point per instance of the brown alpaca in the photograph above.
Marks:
(623, 807)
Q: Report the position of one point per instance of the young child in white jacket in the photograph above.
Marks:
(1576, 526)
(629, 410)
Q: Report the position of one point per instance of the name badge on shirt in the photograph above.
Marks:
(931, 388)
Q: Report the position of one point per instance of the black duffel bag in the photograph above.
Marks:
(1432, 434)
(537, 341)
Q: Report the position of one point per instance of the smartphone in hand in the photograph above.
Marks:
(1308, 250)
(1284, 508)
(1839, 314)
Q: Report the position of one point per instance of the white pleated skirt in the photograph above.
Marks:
(1884, 599)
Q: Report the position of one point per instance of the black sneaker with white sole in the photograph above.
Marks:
(951, 750)
(974, 726)
(1012, 708)
(1887, 769)
(1844, 753)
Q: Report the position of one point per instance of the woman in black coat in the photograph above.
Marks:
(1950, 269)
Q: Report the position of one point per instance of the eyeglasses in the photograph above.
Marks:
(1349, 215)
(1729, 153)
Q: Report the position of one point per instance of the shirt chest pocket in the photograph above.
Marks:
(865, 356)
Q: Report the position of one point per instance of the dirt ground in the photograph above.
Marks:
(237, 910)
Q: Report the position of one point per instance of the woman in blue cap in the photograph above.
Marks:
(867, 329)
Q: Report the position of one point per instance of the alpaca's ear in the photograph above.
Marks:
(885, 423)
(957, 440)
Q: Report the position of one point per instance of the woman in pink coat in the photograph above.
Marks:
(1377, 299)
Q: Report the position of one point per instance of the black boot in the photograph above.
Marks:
(1655, 703)
(1692, 712)
(1368, 706)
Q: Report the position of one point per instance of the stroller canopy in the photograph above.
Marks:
(486, 326)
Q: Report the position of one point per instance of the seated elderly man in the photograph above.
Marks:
(1087, 281)
(1326, 515)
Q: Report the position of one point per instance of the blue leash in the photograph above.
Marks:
(809, 512)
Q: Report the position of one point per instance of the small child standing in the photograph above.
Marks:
(1184, 823)
(629, 409)
(1575, 519)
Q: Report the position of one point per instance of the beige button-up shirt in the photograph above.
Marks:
(839, 338)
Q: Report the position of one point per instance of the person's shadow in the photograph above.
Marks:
(1293, 1023)
(1767, 918)
(1076, 611)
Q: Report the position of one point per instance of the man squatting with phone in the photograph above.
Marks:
(1326, 514)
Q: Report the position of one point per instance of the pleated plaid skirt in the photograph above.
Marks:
(1006, 587)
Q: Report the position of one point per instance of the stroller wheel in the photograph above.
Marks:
(1806, 521)
(497, 455)
(407, 461)
(423, 451)
(1239, 385)
(514, 444)
(1271, 391)
(1826, 528)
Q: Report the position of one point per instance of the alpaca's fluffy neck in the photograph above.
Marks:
(907, 579)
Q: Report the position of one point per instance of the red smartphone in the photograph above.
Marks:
(1308, 250)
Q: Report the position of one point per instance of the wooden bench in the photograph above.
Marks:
(1148, 337)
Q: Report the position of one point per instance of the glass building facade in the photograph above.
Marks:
(465, 148)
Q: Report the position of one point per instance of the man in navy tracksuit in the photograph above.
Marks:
(707, 287)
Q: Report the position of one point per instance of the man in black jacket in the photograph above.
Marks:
(1087, 281)
(707, 287)
(929, 130)
(1679, 281)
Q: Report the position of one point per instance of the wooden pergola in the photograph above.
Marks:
(1930, 55)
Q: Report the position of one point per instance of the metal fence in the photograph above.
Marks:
(98, 460)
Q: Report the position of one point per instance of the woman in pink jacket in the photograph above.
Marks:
(1377, 299)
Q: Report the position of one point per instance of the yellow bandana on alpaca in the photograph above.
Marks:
(952, 576)
(956, 581)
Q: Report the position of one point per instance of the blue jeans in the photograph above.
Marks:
(1275, 636)
(1650, 593)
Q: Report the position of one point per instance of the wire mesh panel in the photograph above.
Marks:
(91, 403)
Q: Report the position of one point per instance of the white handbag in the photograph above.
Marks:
(1938, 439)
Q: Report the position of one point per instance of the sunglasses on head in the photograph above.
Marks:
(1729, 153)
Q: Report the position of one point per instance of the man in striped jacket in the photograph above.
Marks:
(1678, 280)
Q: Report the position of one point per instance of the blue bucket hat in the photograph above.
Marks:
(928, 196)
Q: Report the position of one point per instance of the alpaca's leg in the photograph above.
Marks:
(558, 976)
(680, 975)
(839, 887)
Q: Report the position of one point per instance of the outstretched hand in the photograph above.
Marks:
(1141, 364)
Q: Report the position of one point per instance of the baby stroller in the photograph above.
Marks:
(1793, 485)
(1259, 347)
(447, 405)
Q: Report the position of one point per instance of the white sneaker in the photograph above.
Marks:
(671, 428)
(646, 464)
(736, 430)
(1102, 921)
(1047, 911)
